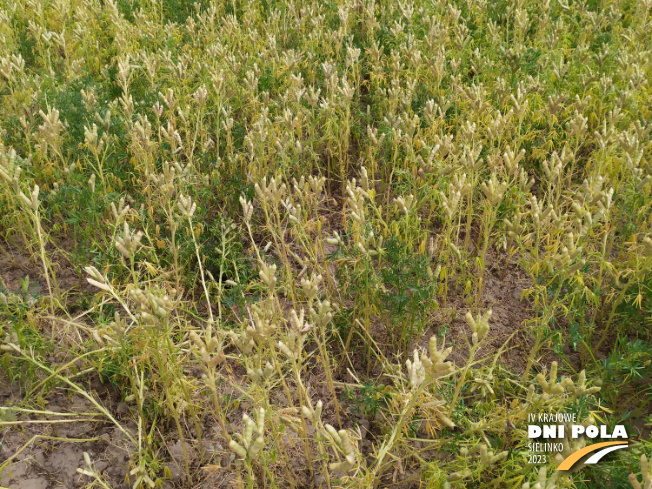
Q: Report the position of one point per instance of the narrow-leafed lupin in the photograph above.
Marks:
(550, 386)
(292, 348)
(342, 442)
(261, 324)
(247, 208)
(208, 350)
(479, 325)
(186, 206)
(261, 374)
(436, 365)
(267, 274)
(249, 444)
(311, 286)
(272, 192)
(9, 168)
(97, 279)
(129, 243)
(493, 190)
(404, 204)
(542, 480)
(335, 240)
(242, 341)
(416, 370)
(312, 414)
(153, 305)
(646, 475)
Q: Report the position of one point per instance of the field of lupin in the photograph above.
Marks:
(270, 244)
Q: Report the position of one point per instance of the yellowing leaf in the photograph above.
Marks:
(151, 269)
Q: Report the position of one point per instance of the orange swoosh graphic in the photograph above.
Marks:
(571, 459)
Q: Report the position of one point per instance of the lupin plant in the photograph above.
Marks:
(646, 475)
(542, 480)
(247, 446)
